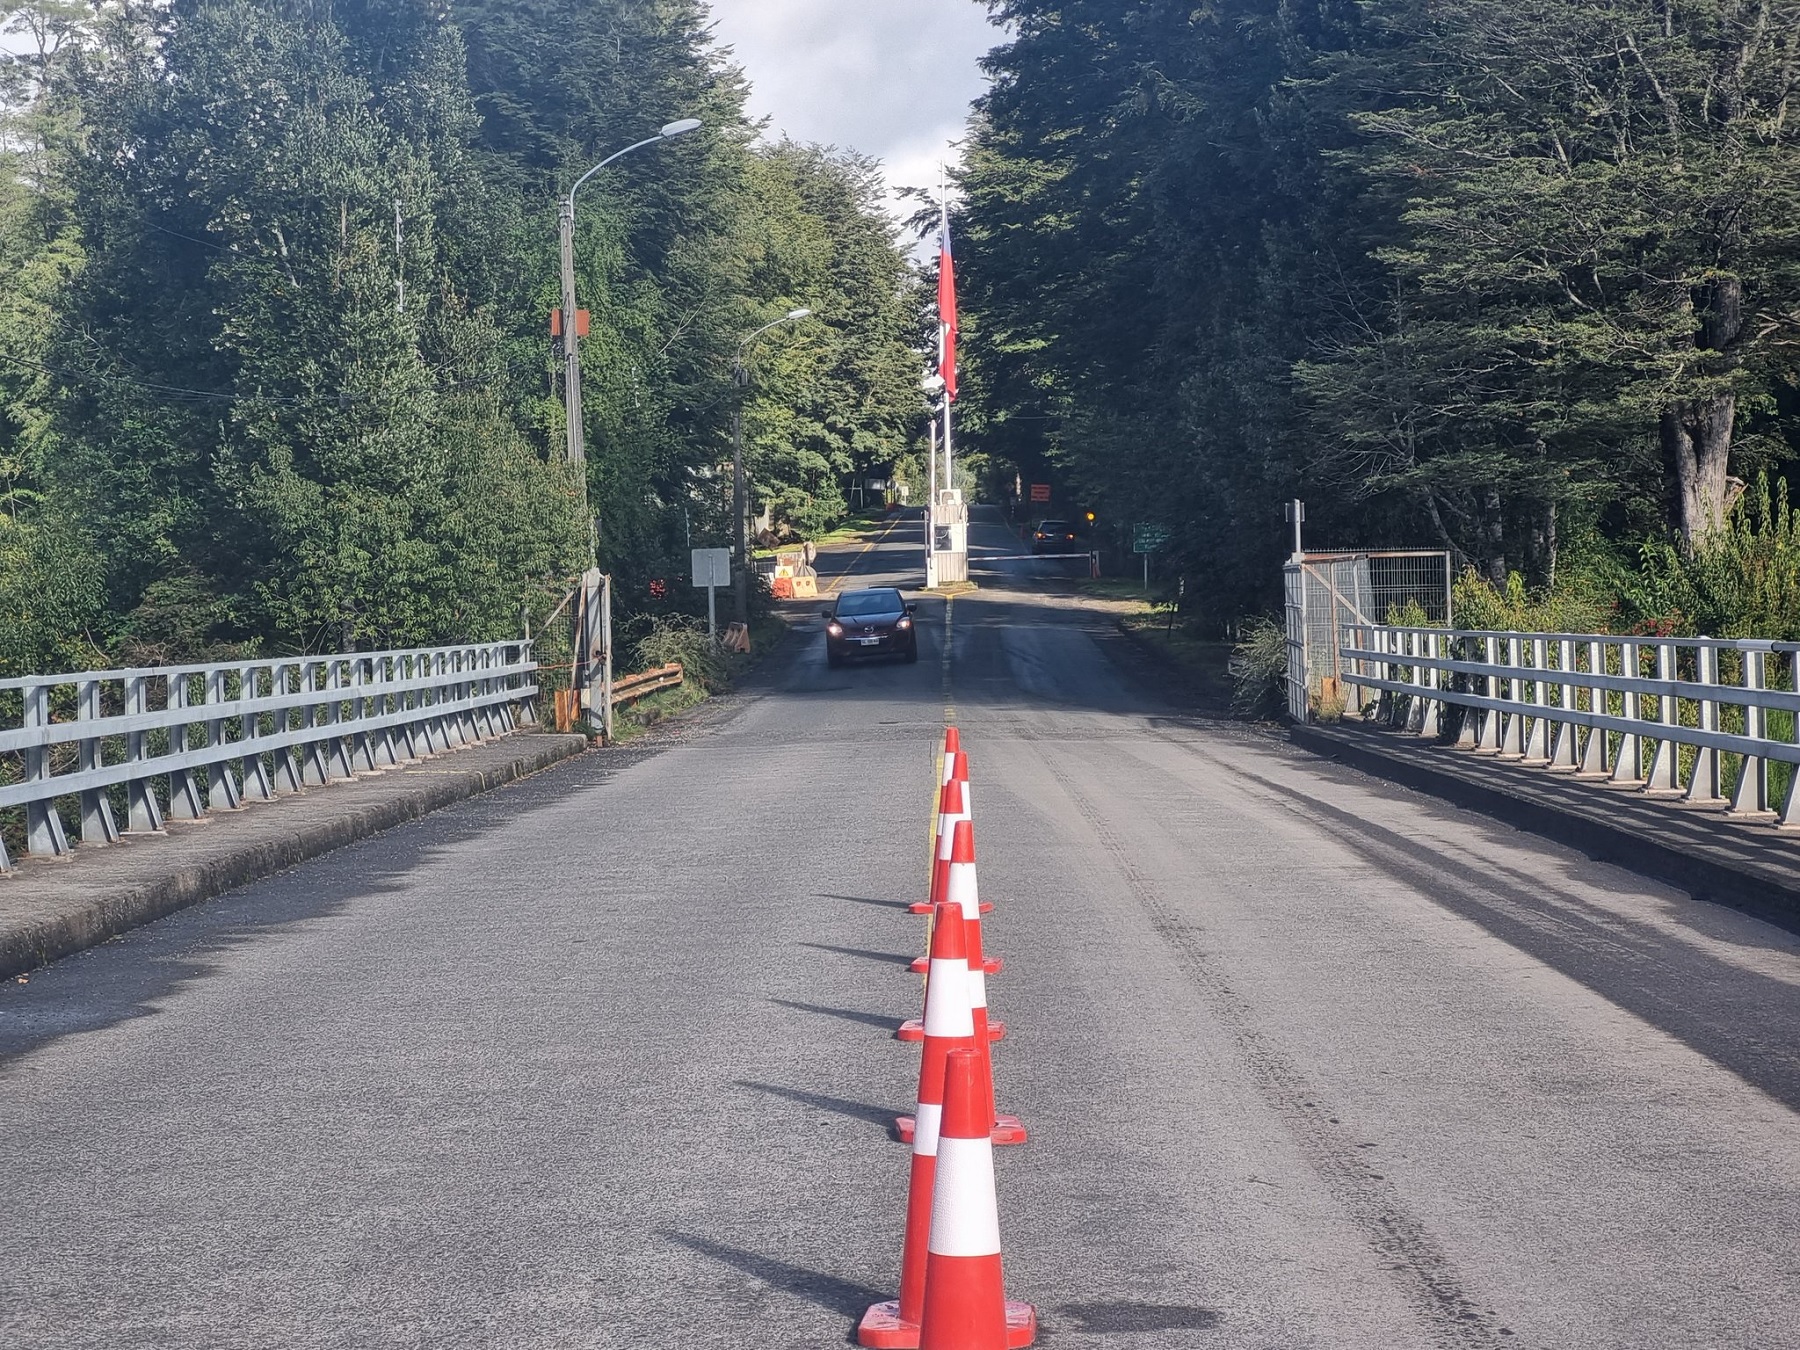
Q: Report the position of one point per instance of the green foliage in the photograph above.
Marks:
(1499, 277)
(1742, 581)
(51, 598)
(683, 638)
(1584, 600)
(1259, 669)
(275, 337)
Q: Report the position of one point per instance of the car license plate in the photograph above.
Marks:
(870, 642)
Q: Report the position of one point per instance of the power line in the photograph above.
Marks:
(148, 384)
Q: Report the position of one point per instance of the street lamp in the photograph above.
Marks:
(577, 451)
(740, 505)
(592, 621)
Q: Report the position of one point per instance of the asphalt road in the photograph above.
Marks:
(601, 1059)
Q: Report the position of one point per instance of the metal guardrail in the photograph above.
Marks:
(1715, 720)
(634, 687)
(182, 740)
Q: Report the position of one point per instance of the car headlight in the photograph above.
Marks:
(835, 629)
(904, 624)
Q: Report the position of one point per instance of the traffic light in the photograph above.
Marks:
(1090, 516)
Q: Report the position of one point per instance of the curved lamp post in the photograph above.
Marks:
(566, 230)
(740, 503)
(593, 630)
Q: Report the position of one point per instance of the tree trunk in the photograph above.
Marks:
(1696, 433)
(1493, 537)
(1697, 437)
(1543, 546)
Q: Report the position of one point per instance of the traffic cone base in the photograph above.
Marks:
(1007, 1130)
(990, 965)
(925, 907)
(913, 1029)
(882, 1329)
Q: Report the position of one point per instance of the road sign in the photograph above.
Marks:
(1040, 492)
(1148, 538)
(712, 567)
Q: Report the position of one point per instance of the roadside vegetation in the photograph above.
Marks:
(275, 280)
(1516, 281)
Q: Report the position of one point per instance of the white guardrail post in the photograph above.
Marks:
(1716, 721)
(177, 742)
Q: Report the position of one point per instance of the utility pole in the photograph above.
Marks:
(565, 232)
(740, 493)
(590, 649)
(576, 452)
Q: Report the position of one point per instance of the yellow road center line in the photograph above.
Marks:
(850, 567)
(944, 664)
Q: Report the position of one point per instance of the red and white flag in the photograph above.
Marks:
(946, 311)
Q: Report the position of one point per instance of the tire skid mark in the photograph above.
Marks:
(1414, 1259)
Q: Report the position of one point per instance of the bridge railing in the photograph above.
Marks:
(184, 740)
(1714, 720)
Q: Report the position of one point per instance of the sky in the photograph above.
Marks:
(891, 78)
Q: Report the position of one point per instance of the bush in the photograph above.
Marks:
(1742, 582)
(1259, 669)
(1584, 600)
(683, 638)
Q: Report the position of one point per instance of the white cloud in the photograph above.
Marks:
(891, 78)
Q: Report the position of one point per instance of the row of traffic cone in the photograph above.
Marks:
(952, 1296)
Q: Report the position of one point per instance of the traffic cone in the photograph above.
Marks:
(965, 1306)
(953, 805)
(973, 906)
(946, 770)
(964, 891)
(950, 1025)
(956, 769)
(963, 897)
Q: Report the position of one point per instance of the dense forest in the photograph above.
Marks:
(1519, 279)
(276, 370)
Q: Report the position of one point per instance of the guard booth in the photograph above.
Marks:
(949, 543)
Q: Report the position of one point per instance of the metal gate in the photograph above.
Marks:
(1327, 593)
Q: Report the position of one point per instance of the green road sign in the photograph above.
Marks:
(1148, 538)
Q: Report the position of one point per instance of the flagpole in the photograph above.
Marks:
(944, 233)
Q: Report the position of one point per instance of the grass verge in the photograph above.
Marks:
(848, 530)
(634, 719)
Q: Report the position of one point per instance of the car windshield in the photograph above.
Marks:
(1054, 527)
(857, 604)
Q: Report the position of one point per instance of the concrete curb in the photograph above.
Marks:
(68, 914)
(1744, 866)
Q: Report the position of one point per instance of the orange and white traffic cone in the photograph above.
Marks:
(964, 892)
(956, 770)
(964, 897)
(965, 1305)
(949, 1025)
(953, 805)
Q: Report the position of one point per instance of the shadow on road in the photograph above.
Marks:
(1741, 1019)
(886, 1023)
(845, 1297)
(886, 958)
(874, 1115)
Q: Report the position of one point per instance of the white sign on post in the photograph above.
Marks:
(712, 569)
